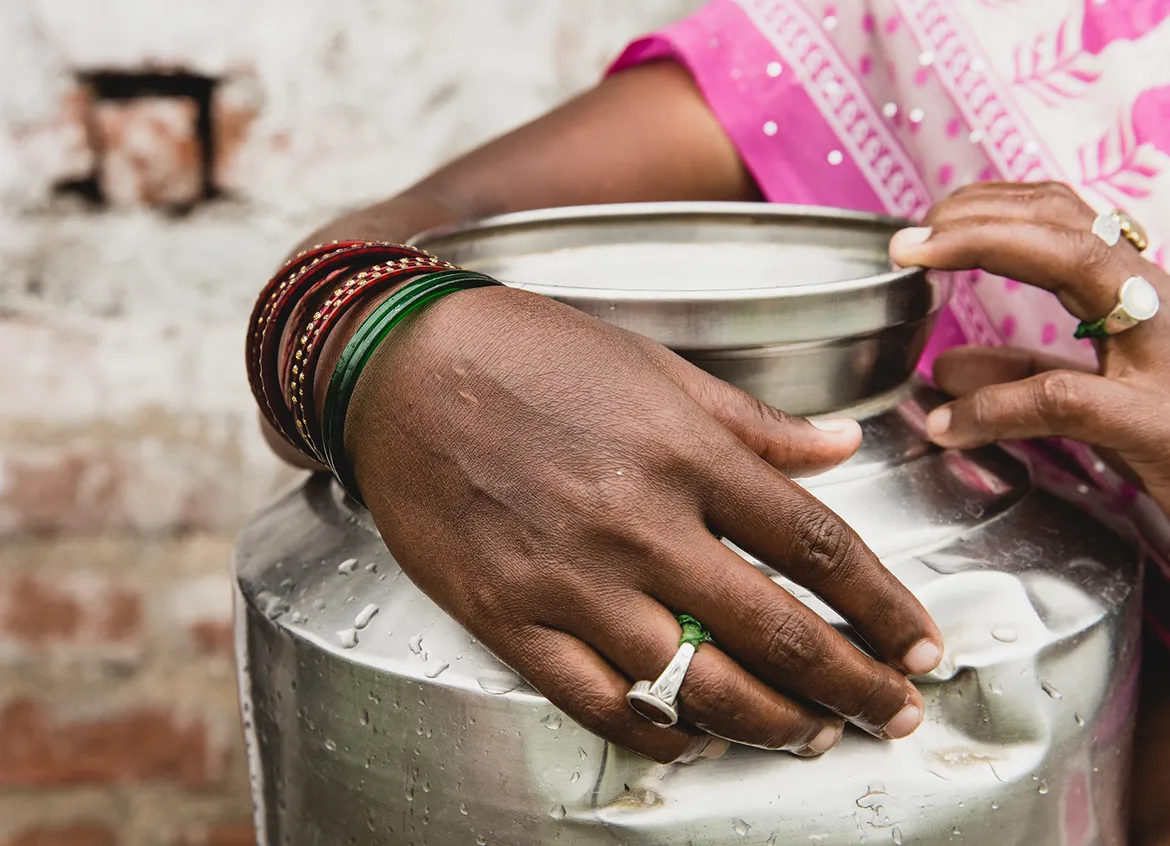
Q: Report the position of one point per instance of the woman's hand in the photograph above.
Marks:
(1041, 234)
(558, 485)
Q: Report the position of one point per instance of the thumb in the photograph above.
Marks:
(795, 446)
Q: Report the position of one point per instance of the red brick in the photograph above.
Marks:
(72, 611)
(241, 834)
(38, 749)
(212, 637)
(151, 153)
(72, 835)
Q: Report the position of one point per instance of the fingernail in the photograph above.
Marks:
(910, 237)
(703, 748)
(836, 425)
(829, 737)
(923, 657)
(904, 722)
(938, 422)
(716, 747)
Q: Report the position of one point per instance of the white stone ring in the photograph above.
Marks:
(1114, 225)
(655, 700)
(1137, 302)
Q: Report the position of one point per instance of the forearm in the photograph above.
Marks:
(643, 135)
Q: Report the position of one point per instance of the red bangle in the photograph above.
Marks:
(309, 339)
(299, 280)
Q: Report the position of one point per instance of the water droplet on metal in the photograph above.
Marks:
(575, 777)
(1078, 719)
(558, 812)
(955, 831)
(551, 722)
(347, 566)
(480, 840)
(740, 827)
(1042, 788)
(1004, 634)
(463, 808)
(364, 616)
(774, 840)
(319, 604)
(995, 806)
(435, 672)
(498, 682)
(364, 719)
(372, 567)
(1050, 690)
(896, 836)
(410, 793)
(581, 753)
(330, 745)
(347, 638)
(416, 645)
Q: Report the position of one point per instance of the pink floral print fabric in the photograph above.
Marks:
(889, 105)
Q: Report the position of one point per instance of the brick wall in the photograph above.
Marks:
(156, 160)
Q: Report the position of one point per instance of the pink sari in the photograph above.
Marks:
(889, 105)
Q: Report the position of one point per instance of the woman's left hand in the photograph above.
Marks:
(1041, 234)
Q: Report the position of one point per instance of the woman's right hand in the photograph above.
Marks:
(558, 485)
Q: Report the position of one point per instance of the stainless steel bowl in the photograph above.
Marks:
(799, 306)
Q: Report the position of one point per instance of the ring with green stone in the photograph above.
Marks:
(655, 700)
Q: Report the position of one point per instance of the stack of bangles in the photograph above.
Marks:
(304, 302)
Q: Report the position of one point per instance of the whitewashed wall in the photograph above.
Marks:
(129, 451)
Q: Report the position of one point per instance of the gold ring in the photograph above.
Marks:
(1131, 230)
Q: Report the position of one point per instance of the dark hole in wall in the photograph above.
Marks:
(117, 85)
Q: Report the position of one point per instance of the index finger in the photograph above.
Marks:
(790, 530)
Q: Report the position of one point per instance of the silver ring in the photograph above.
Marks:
(655, 700)
(1107, 227)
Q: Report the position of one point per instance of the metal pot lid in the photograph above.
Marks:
(697, 276)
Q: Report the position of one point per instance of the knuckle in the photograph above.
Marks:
(872, 702)
(793, 642)
(982, 408)
(1057, 396)
(1093, 255)
(828, 545)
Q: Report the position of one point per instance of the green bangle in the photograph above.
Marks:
(373, 331)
